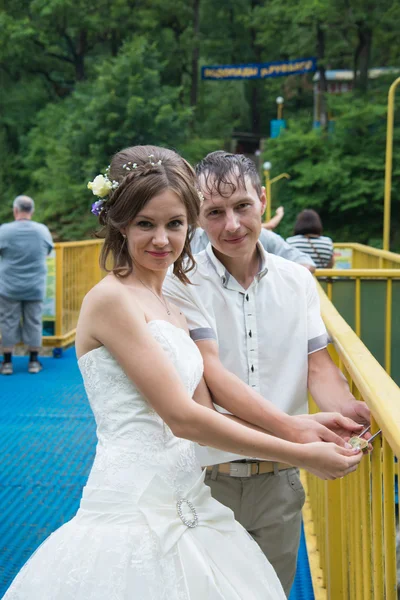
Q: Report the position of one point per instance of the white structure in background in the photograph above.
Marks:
(341, 81)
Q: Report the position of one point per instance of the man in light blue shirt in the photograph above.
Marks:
(24, 246)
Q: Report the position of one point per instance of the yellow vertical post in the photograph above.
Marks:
(388, 327)
(95, 256)
(365, 499)
(377, 518)
(357, 300)
(357, 556)
(333, 520)
(352, 545)
(389, 523)
(268, 194)
(59, 289)
(329, 289)
(345, 538)
(388, 164)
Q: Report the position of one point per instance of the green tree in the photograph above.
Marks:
(74, 139)
(340, 173)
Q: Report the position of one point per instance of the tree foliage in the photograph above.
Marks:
(340, 172)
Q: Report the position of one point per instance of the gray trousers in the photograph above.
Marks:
(21, 320)
(269, 508)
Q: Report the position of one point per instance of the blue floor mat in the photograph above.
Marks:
(47, 444)
(302, 588)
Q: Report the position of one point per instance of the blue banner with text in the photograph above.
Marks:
(260, 70)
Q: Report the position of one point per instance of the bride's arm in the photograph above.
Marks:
(202, 396)
(121, 328)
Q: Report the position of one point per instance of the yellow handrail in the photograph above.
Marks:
(349, 273)
(350, 523)
(362, 256)
(376, 387)
(369, 250)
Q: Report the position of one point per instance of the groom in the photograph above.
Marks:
(256, 320)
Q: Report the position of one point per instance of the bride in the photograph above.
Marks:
(147, 527)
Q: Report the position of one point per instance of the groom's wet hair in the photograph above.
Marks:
(223, 173)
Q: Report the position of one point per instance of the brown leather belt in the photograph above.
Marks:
(247, 469)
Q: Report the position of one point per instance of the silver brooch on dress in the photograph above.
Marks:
(189, 523)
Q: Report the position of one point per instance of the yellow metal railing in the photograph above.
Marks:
(77, 271)
(350, 523)
(366, 257)
(386, 277)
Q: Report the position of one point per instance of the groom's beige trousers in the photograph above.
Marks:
(269, 508)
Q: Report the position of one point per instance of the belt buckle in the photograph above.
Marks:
(240, 469)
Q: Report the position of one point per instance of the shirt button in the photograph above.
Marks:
(250, 334)
(247, 297)
(252, 368)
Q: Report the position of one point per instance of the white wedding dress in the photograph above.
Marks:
(147, 527)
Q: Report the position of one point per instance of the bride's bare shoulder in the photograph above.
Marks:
(109, 293)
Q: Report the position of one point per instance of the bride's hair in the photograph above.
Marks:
(139, 173)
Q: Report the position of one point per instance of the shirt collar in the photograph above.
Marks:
(224, 274)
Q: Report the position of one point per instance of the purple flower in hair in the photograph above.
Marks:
(97, 207)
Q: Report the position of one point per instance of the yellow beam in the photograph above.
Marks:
(388, 327)
(60, 341)
(369, 250)
(281, 176)
(373, 273)
(389, 523)
(59, 290)
(377, 518)
(388, 165)
(268, 195)
(313, 553)
(78, 244)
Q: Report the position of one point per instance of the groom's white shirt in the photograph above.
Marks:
(264, 333)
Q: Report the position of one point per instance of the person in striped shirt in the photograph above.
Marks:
(309, 240)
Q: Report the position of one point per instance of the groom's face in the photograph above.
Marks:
(232, 221)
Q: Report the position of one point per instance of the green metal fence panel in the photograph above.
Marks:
(343, 294)
(396, 331)
(373, 310)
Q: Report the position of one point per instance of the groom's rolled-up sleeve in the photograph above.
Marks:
(317, 334)
(200, 322)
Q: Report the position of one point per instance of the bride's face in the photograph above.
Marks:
(157, 234)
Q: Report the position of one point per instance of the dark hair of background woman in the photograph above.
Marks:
(308, 222)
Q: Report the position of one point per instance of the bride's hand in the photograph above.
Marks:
(329, 461)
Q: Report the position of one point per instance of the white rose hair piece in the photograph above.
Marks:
(102, 186)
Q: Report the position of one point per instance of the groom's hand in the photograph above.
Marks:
(358, 411)
(324, 427)
(337, 423)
